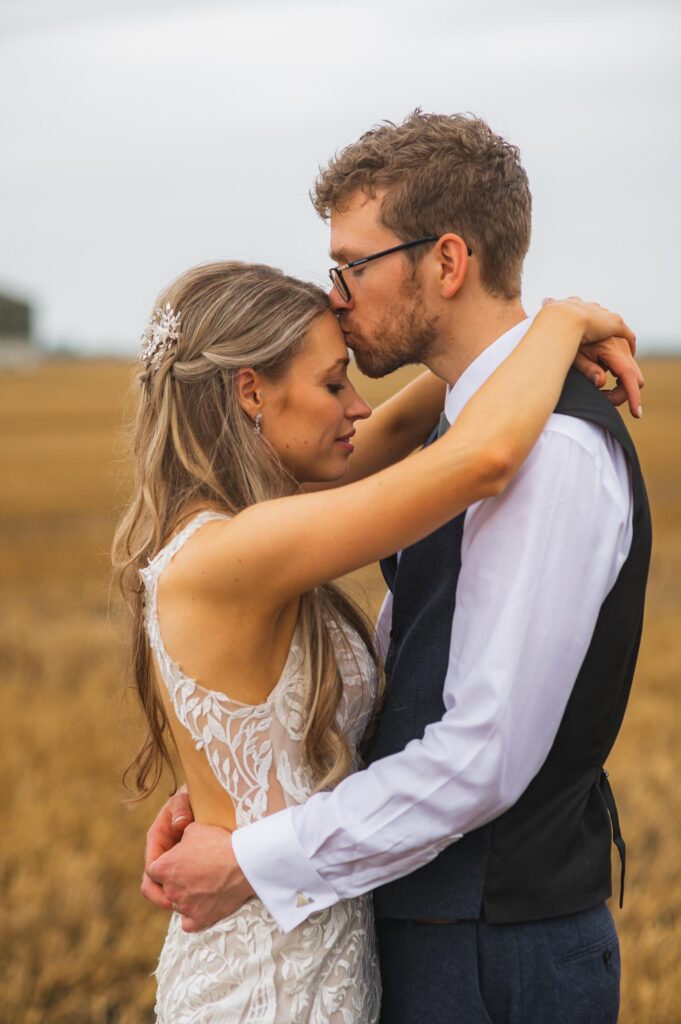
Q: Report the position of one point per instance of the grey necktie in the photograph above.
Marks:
(443, 425)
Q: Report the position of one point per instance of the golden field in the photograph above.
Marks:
(78, 941)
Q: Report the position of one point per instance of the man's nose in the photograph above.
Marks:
(336, 300)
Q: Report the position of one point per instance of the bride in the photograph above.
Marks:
(261, 672)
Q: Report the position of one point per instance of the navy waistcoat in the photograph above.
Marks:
(549, 854)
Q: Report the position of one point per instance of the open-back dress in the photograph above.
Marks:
(244, 969)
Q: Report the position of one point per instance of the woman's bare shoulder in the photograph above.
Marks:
(211, 563)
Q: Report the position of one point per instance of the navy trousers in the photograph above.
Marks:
(564, 970)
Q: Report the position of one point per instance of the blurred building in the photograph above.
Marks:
(16, 318)
(15, 321)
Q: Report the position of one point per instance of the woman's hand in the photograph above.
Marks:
(165, 832)
(608, 344)
(616, 356)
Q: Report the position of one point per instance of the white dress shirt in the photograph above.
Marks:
(536, 564)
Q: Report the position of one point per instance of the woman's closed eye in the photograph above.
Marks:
(335, 388)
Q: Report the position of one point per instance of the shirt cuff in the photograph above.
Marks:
(271, 857)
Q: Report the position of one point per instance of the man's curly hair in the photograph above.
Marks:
(440, 173)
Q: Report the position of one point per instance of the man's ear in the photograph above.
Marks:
(248, 392)
(452, 255)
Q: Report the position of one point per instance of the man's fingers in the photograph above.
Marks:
(190, 925)
(159, 841)
(157, 870)
(153, 892)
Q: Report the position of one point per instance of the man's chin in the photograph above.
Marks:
(372, 364)
(377, 368)
(372, 372)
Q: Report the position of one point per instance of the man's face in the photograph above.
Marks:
(386, 321)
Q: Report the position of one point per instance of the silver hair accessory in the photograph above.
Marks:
(161, 333)
(257, 426)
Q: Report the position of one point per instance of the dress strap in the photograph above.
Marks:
(161, 559)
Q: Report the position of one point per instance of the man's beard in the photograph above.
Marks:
(402, 338)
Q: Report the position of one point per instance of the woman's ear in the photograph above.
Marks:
(248, 392)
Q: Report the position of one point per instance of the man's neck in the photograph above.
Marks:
(474, 330)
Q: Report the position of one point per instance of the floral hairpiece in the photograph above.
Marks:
(161, 333)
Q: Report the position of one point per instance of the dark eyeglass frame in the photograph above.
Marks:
(336, 273)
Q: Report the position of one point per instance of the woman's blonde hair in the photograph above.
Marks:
(195, 447)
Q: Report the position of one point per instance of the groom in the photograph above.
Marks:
(484, 819)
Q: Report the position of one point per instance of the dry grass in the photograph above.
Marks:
(78, 943)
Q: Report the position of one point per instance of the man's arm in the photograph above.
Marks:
(192, 880)
(537, 563)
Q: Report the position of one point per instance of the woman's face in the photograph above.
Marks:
(308, 416)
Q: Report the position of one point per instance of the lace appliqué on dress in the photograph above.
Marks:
(244, 969)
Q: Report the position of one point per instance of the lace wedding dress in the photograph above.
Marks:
(244, 970)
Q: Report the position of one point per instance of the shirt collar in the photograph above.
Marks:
(475, 375)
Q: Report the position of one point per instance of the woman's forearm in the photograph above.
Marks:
(507, 414)
(331, 534)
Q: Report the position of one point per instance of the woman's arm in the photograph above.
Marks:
(404, 422)
(287, 546)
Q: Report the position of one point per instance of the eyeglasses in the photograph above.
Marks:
(336, 273)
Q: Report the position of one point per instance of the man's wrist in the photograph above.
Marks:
(243, 887)
(270, 856)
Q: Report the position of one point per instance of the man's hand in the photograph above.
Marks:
(165, 832)
(200, 877)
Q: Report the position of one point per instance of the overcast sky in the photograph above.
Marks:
(139, 137)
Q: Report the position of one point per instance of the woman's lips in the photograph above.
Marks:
(345, 442)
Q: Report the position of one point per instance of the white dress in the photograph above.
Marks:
(244, 970)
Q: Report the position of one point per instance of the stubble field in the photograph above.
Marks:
(78, 943)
